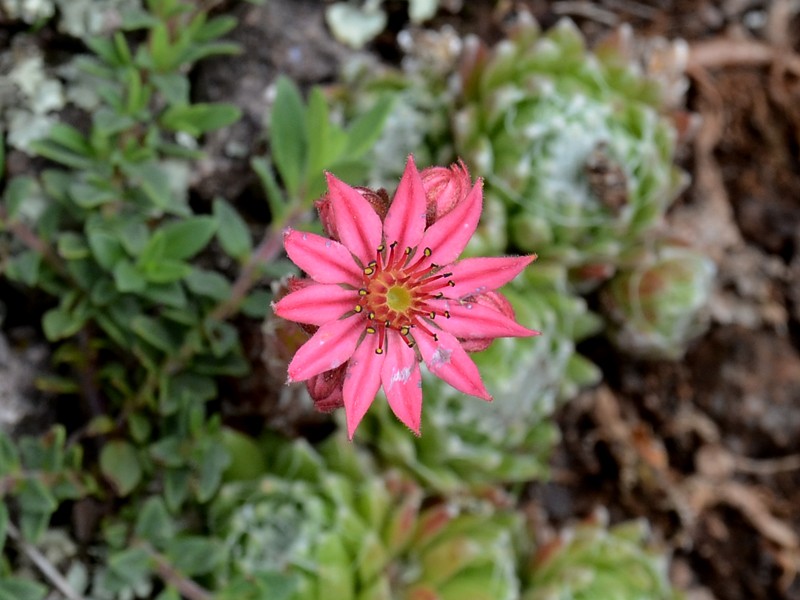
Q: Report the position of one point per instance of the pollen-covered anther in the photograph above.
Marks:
(358, 308)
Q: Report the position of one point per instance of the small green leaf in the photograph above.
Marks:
(72, 246)
(35, 497)
(132, 565)
(153, 181)
(24, 267)
(58, 153)
(215, 28)
(194, 555)
(161, 50)
(9, 456)
(18, 190)
(287, 134)
(104, 48)
(174, 87)
(128, 278)
(176, 487)
(70, 138)
(119, 463)
(208, 283)
(62, 321)
(213, 462)
(168, 294)
(364, 131)
(185, 238)
(232, 231)
(275, 196)
(166, 271)
(154, 332)
(87, 195)
(106, 247)
(154, 522)
(257, 304)
(17, 588)
(197, 119)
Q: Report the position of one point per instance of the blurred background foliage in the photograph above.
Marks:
(148, 298)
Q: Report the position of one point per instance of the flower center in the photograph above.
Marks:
(398, 298)
(397, 293)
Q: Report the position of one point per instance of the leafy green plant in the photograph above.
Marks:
(139, 317)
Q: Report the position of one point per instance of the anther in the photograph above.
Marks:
(371, 315)
(404, 330)
(369, 270)
(427, 252)
(378, 350)
(409, 250)
(447, 314)
(362, 292)
(410, 343)
(451, 283)
(374, 264)
(381, 248)
(439, 295)
(432, 315)
(387, 323)
(358, 308)
(370, 330)
(435, 338)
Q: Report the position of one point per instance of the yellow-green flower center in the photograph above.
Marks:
(398, 298)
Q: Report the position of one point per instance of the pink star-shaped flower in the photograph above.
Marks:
(390, 293)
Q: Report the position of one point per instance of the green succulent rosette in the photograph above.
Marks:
(593, 561)
(571, 142)
(658, 306)
(467, 443)
(333, 528)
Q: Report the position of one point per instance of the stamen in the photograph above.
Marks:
(358, 308)
(362, 292)
(371, 330)
(369, 270)
(371, 315)
(427, 252)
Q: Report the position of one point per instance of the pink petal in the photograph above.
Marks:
(357, 224)
(316, 304)
(473, 320)
(447, 360)
(325, 260)
(448, 236)
(329, 347)
(361, 382)
(405, 221)
(402, 382)
(473, 276)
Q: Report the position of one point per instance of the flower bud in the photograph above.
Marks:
(325, 389)
(445, 187)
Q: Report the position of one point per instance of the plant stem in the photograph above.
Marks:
(169, 574)
(43, 564)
